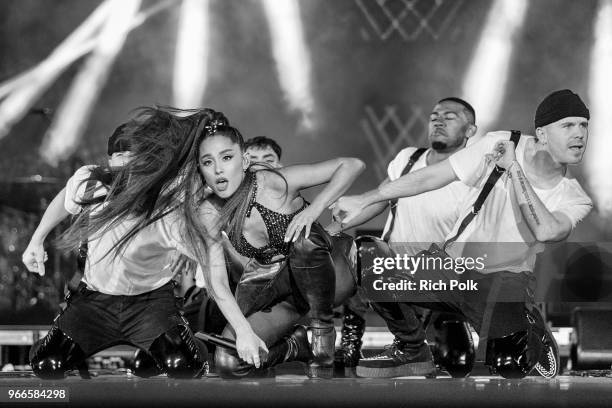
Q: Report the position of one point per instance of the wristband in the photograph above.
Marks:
(511, 165)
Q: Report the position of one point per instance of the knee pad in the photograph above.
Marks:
(515, 355)
(145, 365)
(54, 355)
(454, 349)
(179, 353)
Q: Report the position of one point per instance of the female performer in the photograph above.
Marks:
(132, 221)
(289, 268)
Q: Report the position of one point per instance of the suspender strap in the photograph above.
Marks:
(413, 159)
(493, 177)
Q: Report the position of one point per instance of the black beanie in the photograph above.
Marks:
(559, 105)
(118, 142)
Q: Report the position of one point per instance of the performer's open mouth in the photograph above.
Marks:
(577, 147)
(221, 184)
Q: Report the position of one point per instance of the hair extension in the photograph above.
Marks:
(150, 186)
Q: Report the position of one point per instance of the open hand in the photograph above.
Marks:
(302, 222)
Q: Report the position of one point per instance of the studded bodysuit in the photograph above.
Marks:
(276, 225)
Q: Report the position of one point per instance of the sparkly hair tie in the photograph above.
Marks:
(211, 127)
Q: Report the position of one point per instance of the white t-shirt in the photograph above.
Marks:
(499, 230)
(145, 264)
(424, 218)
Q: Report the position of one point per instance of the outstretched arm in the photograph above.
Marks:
(367, 214)
(34, 255)
(420, 181)
(338, 173)
(248, 344)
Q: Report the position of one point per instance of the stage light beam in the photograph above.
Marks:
(191, 58)
(292, 57)
(485, 82)
(19, 93)
(598, 164)
(75, 110)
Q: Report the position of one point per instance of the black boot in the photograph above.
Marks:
(515, 355)
(322, 347)
(292, 348)
(55, 354)
(180, 354)
(145, 365)
(347, 358)
(313, 273)
(549, 364)
(454, 348)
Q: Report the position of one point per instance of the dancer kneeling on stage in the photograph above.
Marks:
(527, 197)
(288, 267)
(129, 216)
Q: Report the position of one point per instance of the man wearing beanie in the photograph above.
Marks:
(532, 200)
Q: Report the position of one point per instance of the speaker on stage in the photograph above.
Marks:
(592, 343)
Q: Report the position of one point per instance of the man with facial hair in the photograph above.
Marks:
(414, 223)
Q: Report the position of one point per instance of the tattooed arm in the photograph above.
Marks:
(545, 225)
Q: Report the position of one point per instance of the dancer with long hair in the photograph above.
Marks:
(287, 261)
(131, 218)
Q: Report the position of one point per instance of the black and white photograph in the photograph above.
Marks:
(305, 203)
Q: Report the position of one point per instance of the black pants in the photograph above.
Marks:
(96, 321)
(482, 309)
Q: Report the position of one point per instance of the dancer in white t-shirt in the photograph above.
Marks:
(130, 218)
(534, 201)
(414, 224)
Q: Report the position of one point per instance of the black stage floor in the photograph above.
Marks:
(289, 390)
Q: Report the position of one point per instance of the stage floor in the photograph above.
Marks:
(290, 390)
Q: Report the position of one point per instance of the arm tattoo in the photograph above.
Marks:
(523, 181)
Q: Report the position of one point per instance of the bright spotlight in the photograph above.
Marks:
(291, 55)
(73, 114)
(485, 83)
(192, 46)
(597, 161)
